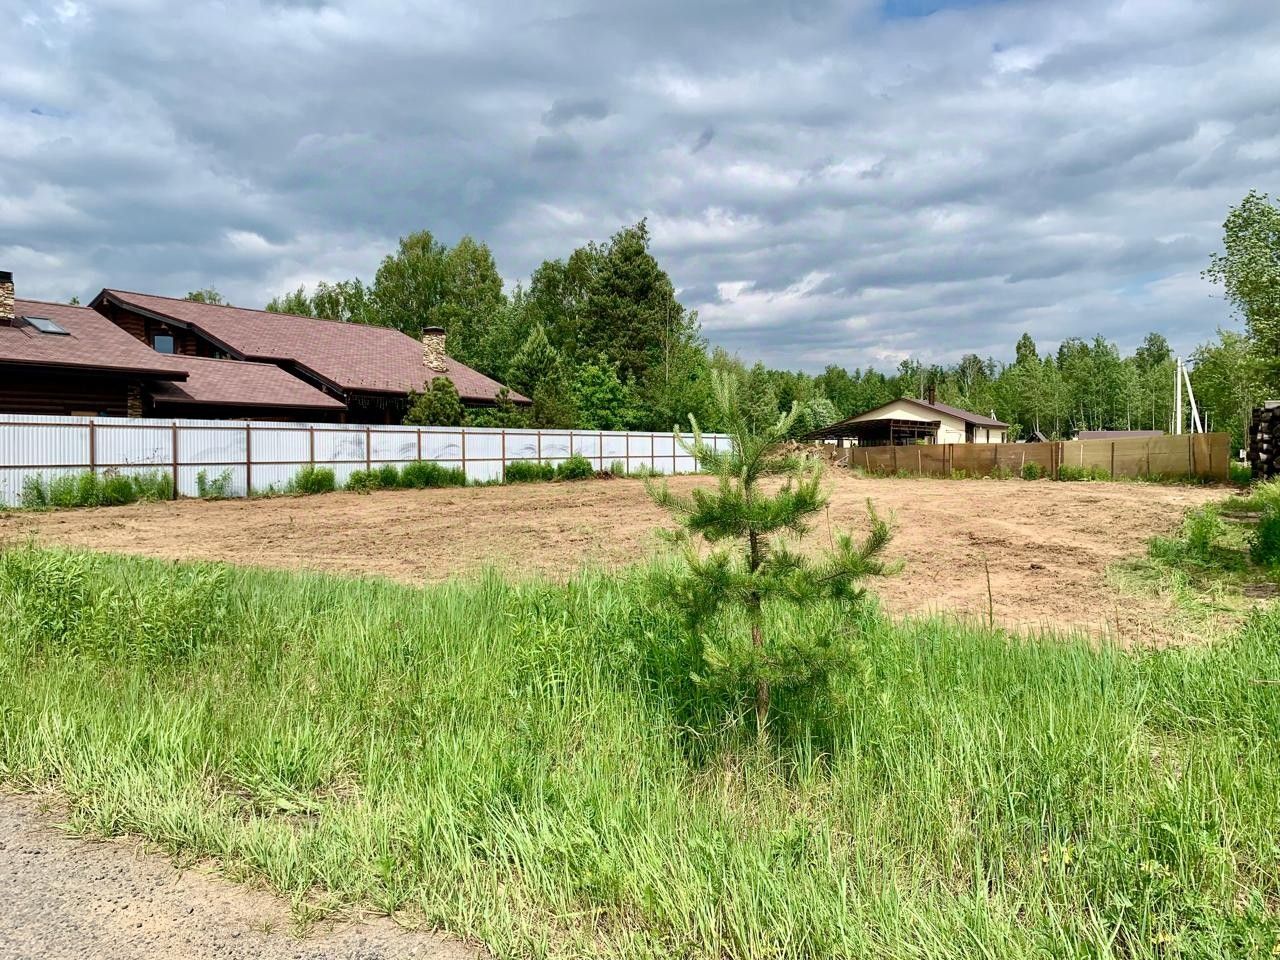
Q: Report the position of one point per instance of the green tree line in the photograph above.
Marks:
(599, 340)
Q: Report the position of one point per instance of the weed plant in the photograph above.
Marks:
(218, 487)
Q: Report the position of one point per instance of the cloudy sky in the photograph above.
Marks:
(826, 182)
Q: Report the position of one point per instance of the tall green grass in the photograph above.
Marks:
(537, 766)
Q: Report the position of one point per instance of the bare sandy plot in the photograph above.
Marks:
(1047, 544)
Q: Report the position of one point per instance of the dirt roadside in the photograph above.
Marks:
(62, 898)
(1047, 544)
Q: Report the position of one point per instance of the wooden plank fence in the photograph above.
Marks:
(1204, 456)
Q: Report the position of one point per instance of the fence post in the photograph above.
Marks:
(653, 457)
(174, 426)
(311, 443)
(1191, 454)
(503, 464)
(248, 459)
(600, 447)
(627, 449)
(539, 446)
(93, 447)
(418, 432)
(1113, 459)
(463, 435)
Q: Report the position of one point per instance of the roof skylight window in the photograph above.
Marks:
(45, 325)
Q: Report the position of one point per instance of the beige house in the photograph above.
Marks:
(907, 421)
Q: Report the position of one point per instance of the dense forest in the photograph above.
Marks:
(599, 340)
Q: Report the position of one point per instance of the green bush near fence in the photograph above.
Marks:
(576, 467)
(529, 471)
(418, 475)
(89, 489)
(1031, 471)
(312, 479)
(423, 474)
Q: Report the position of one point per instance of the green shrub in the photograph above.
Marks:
(361, 481)
(116, 490)
(312, 479)
(423, 474)
(529, 471)
(618, 468)
(1031, 471)
(577, 467)
(388, 476)
(213, 488)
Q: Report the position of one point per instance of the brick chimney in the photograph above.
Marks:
(433, 355)
(933, 393)
(6, 298)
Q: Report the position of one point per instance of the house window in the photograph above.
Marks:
(163, 343)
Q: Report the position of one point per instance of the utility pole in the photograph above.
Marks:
(1177, 398)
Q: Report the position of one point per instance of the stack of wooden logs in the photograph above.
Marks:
(1264, 441)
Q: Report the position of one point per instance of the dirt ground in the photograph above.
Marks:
(1047, 544)
(66, 899)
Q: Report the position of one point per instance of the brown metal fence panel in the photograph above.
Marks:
(1014, 456)
(1202, 455)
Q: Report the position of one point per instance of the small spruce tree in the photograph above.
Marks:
(437, 406)
(758, 566)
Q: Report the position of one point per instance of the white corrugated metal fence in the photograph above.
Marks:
(264, 456)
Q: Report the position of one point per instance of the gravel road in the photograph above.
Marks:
(63, 898)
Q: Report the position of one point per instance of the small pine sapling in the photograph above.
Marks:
(751, 564)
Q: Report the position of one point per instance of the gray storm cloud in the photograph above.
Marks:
(826, 182)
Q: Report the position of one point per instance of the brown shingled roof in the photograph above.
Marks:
(241, 383)
(92, 343)
(347, 355)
